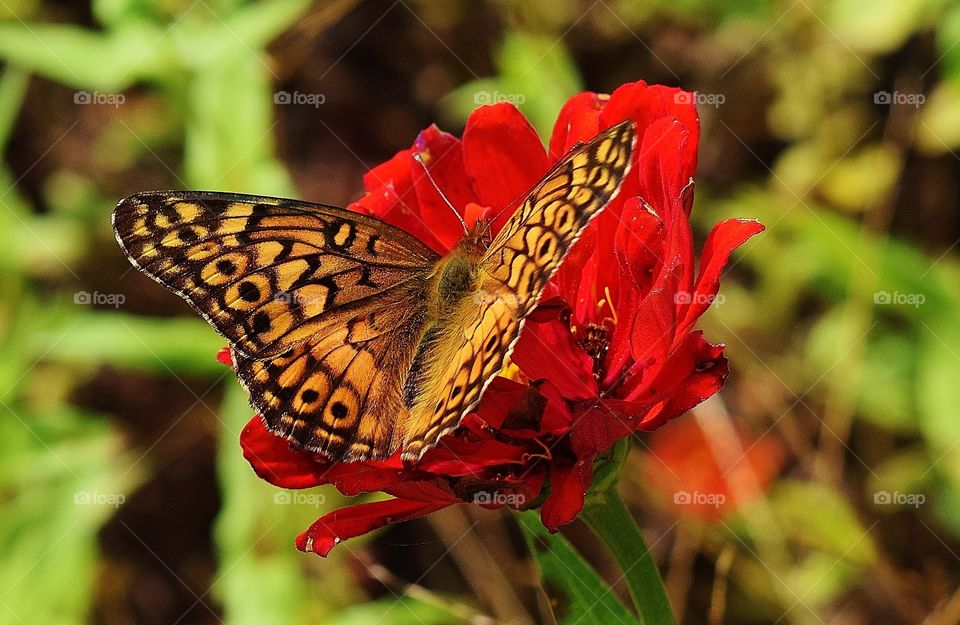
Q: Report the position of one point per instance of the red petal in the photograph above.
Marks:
(330, 529)
(443, 156)
(547, 350)
(597, 426)
(457, 457)
(568, 485)
(647, 103)
(653, 328)
(503, 156)
(392, 198)
(579, 120)
(637, 251)
(276, 461)
(725, 237)
(575, 280)
(693, 373)
(498, 400)
(224, 356)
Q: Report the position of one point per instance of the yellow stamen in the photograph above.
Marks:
(609, 302)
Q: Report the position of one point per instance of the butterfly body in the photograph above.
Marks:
(353, 338)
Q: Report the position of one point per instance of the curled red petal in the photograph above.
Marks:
(725, 237)
(333, 528)
(503, 156)
(652, 330)
(694, 372)
(276, 461)
(568, 486)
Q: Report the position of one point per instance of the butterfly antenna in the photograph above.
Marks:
(419, 158)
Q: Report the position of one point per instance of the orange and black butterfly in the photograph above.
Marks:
(353, 338)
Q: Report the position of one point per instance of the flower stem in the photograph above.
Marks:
(613, 524)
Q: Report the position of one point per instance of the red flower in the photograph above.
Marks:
(610, 350)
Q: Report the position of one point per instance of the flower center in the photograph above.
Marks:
(596, 343)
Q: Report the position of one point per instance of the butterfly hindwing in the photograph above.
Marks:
(267, 273)
(510, 279)
(339, 393)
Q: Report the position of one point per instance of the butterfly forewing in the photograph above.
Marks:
(267, 273)
(511, 277)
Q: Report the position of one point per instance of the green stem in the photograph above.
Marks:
(610, 520)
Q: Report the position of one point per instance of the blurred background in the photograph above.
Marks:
(821, 486)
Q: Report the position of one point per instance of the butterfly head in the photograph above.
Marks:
(478, 237)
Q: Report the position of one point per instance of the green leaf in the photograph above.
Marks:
(403, 610)
(612, 522)
(262, 577)
(63, 475)
(577, 593)
(177, 345)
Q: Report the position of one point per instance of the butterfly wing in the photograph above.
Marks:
(322, 307)
(267, 273)
(340, 392)
(511, 276)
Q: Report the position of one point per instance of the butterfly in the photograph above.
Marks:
(352, 338)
